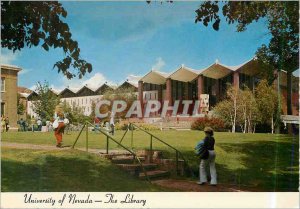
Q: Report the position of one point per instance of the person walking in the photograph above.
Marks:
(22, 124)
(47, 125)
(32, 123)
(6, 124)
(3, 124)
(97, 124)
(112, 123)
(208, 158)
(59, 127)
(39, 124)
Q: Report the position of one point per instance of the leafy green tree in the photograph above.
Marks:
(228, 109)
(239, 108)
(282, 19)
(20, 106)
(34, 23)
(45, 102)
(267, 101)
(124, 94)
(74, 113)
(249, 114)
(225, 111)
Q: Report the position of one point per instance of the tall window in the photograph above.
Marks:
(2, 84)
(2, 108)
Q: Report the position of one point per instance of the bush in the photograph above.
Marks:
(121, 126)
(148, 127)
(215, 123)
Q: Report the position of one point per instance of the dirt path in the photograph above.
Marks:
(192, 186)
(51, 147)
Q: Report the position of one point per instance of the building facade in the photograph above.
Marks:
(82, 98)
(207, 85)
(9, 93)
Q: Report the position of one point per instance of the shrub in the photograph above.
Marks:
(121, 126)
(148, 127)
(215, 123)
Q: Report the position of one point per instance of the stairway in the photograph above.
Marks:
(127, 162)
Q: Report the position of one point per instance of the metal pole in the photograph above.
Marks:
(131, 137)
(107, 144)
(278, 121)
(78, 137)
(87, 137)
(176, 162)
(151, 155)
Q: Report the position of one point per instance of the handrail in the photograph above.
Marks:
(110, 137)
(153, 136)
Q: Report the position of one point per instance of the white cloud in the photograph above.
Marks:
(8, 57)
(159, 64)
(24, 71)
(75, 84)
(133, 78)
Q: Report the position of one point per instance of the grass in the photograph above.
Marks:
(73, 170)
(264, 162)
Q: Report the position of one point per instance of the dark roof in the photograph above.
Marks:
(102, 89)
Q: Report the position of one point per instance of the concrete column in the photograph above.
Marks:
(186, 90)
(236, 79)
(169, 91)
(140, 93)
(200, 86)
(218, 89)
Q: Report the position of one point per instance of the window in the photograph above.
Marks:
(2, 84)
(2, 108)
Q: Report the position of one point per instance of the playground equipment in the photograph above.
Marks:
(135, 157)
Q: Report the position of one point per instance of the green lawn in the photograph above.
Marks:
(57, 171)
(264, 162)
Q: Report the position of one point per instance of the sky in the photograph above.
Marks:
(122, 39)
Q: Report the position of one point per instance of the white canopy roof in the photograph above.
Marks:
(184, 74)
(155, 77)
(216, 71)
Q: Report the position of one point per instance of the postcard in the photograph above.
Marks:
(149, 104)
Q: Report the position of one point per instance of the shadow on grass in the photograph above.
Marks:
(260, 165)
(60, 174)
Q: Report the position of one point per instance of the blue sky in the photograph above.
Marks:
(129, 38)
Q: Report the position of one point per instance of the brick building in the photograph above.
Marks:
(9, 92)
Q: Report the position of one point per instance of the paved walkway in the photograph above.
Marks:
(53, 147)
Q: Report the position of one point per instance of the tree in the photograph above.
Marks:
(267, 101)
(34, 23)
(123, 94)
(228, 108)
(249, 114)
(282, 17)
(225, 111)
(74, 113)
(20, 106)
(46, 101)
(239, 108)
